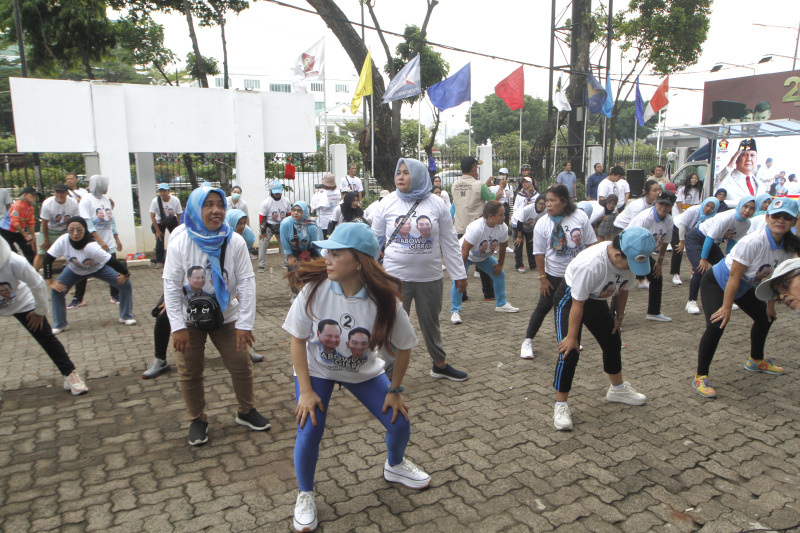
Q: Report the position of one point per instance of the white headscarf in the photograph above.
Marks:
(98, 185)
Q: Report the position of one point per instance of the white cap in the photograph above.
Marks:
(764, 290)
(503, 170)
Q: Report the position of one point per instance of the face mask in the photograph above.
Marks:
(235, 196)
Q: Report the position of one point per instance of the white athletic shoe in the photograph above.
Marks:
(305, 512)
(644, 284)
(625, 394)
(691, 308)
(75, 384)
(676, 280)
(127, 321)
(506, 308)
(527, 349)
(455, 318)
(661, 317)
(734, 307)
(406, 473)
(56, 331)
(509, 250)
(476, 274)
(562, 418)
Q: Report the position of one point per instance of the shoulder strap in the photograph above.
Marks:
(401, 223)
(222, 254)
(161, 210)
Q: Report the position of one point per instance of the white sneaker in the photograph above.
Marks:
(734, 307)
(644, 284)
(509, 250)
(521, 270)
(305, 512)
(527, 349)
(691, 308)
(455, 318)
(661, 317)
(476, 274)
(562, 418)
(75, 384)
(127, 321)
(56, 331)
(625, 394)
(676, 280)
(506, 308)
(406, 473)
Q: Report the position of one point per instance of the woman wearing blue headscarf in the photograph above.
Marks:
(209, 263)
(684, 222)
(298, 231)
(702, 242)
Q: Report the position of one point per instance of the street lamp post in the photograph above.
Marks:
(718, 67)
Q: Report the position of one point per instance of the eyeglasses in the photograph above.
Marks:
(785, 216)
(783, 287)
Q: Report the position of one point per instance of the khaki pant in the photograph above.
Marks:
(192, 364)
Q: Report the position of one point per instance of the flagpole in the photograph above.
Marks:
(470, 127)
(419, 127)
(325, 112)
(555, 153)
(372, 140)
(583, 146)
(660, 130)
(520, 136)
(635, 136)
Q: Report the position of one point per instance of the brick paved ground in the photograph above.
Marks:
(116, 459)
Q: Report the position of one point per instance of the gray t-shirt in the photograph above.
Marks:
(568, 179)
(5, 199)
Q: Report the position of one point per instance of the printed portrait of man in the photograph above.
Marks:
(108, 215)
(763, 272)
(405, 231)
(424, 226)
(483, 247)
(358, 342)
(58, 219)
(100, 214)
(197, 279)
(607, 291)
(329, 334)
(88, 263)
(275, 215)
(575, 238)
(493, 246)
(74, 261)
(5, 291)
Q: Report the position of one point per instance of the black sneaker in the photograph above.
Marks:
(198, 432)
(448, 372)
(254, 420)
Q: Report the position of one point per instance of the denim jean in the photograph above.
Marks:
(486, 266)
(68, 278)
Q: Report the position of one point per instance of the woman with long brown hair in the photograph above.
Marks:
(337, 329)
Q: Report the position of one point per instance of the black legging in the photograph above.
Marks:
(13, 238)
(161, 334)
(694, 248)
(543, 307)
(712, 296)
(527, 240)
(51, 345)
(675, 262)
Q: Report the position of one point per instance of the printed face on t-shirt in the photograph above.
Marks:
(5, 290)
(483, 246)
(197, 278)
(275, 215)
(358, 342)
(575, 238)
(108, 214)
(493, 245)
(764, 271)
(101, 216)
(329, 334)
(424, 226)
(405, 231)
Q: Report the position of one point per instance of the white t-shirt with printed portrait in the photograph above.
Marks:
(274, 211)
(561, 249)
(99, 212)
(636, 206)
(660, 229)
(172, 210)
(724, 226)
(625, 189)
(607, 187)
(484, 240)
(18, 281)
(685, 200)
(83, 262)
(188, 265)
(324, 202)
(57, 215)
(592, 275)
(337, 337)
(759, 253)
(528, 216)
(351, 184)
(520, 202)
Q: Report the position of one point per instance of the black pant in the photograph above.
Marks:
(712, 296)
(80, 288)
(542, 308)
(598, 320)
(527, 240)
(25, 249)
(675, 262)
(161, 334)
(51, 345)
(160, 242)
(694, 248)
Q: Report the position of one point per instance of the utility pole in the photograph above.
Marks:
(580, 68)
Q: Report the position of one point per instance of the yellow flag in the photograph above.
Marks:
(364, 87)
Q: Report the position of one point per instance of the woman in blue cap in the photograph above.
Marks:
(273, 210)
(337, 329)
(703, 242)
(209, 291)
(734, 279)
(596, 274)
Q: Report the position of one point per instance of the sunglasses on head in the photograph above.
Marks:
(782, 215)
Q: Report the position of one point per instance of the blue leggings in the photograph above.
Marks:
(486, 266)
(372, 394)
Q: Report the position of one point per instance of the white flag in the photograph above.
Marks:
(405, 83)
(560, 98)
(308, 66)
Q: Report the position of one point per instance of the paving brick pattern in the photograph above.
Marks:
(117, 458)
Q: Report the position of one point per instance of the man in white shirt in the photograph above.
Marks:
(54, 215)
(351, 182)
(165, 214)
(741, 181)
(612, 185)
(74, 192)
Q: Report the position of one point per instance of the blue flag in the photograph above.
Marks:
(452, 91)
(405, 83)
(595, 95)
(608, 106)
(639, 104)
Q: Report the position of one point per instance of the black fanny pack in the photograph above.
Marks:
(204, 312)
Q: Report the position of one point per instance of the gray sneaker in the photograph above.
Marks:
(156, 368)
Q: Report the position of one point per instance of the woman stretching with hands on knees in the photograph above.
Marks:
(337, 329)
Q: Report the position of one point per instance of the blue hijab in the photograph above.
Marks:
(760, 199)
(302, 226)
(705, 202)
(232, 218)
(210, 242)
(420, 180)
(738, 213)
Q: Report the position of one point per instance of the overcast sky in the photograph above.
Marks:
(267, 38)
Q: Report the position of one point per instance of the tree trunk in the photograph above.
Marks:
(201, 66)
(224, 51)
(187, 161)
(161, 71)
(429, 145)
(222, 171)
(85, 61)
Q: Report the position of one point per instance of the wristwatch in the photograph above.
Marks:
(398, 390)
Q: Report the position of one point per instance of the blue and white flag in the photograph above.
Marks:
(595, 95)
(405, 84)
(452, 91)
(639, 104)
(608, 106)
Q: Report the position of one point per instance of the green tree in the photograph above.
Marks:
(409, 133)
(212, 13)
(507, 148)
(624, 125)
(197, 71)
(492, 118)
(144, 39)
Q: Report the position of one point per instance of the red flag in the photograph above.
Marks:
(512, 90)
(659, 100)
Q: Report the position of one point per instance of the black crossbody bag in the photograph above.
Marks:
(204, 310)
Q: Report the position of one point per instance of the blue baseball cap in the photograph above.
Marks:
(162, 187)
(276, 187)
(637, 244)
(355, 235)
(783, 205)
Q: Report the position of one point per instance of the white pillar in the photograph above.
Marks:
(250, 169)
(146, 184)
(92, 164)
(111, 136)
(338, 161)
(485, 155)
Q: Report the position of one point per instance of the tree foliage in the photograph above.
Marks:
(144, 40)
(492, 118)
